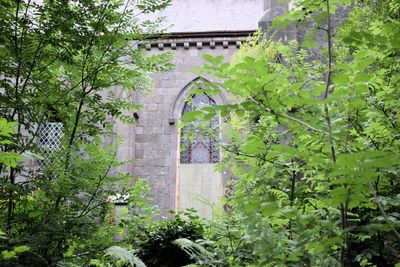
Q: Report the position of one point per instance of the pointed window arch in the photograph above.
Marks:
(201, 148)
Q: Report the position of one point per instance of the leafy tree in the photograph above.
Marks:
(69, 62)
(9, 159)
(314, 140)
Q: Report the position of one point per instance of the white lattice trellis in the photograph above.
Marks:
(50, 135)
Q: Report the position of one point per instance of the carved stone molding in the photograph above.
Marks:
(195, 41)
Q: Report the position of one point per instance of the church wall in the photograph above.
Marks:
(154, 142)
(193, 28)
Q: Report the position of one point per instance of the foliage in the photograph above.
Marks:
(7, 130)
(223, 243)
(76, 63)
(157, 247)
(138, 215)
(118, 256)
(10, 159)
(314, 140)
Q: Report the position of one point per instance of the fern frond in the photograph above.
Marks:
(278, 195)
(194, 250)
(122, 254)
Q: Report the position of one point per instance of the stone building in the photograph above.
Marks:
(183, 179)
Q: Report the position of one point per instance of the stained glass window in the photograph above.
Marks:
(201, 147)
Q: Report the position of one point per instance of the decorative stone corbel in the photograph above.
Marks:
(238, 43)
(212, 44)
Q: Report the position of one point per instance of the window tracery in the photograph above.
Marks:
(196, 145)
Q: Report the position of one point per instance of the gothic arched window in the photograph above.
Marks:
(196, 145)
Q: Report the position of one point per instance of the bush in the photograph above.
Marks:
(157, 247)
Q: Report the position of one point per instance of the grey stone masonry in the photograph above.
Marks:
(153, 140)
(274, 8)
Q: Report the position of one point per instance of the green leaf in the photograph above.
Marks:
(192, 115)
(218, 59)
(8, 255)
(268, 209)
(362, 78)
(341, 78)
(208, 58)
(280, 22)
(253, 146)
(310, 40)
(251, 206)
(10, 159)
(21, 249)
(284, 150)
(363, 63)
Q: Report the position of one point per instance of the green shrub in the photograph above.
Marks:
(157, 247)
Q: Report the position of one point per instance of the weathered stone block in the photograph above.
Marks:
(139, 153)
(153, 121)
(146, 138)
(139, 171)
(156, 130)
(151, 107)
(139, 130)
(169, 129)
(158, 99)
